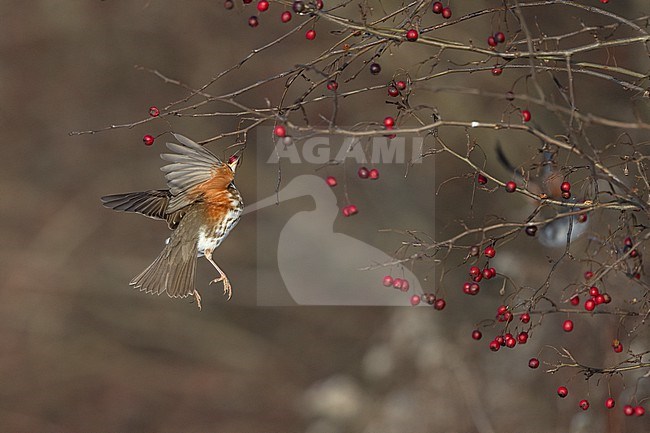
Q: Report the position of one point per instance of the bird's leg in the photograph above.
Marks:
(227, 288)
(198, 299)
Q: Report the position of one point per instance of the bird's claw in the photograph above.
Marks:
(227, 288)
(198, 299)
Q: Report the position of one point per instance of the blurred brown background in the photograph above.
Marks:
(80, 351)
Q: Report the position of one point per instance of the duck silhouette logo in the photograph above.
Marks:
(321, 267)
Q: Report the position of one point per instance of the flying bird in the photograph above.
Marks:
(201, 207)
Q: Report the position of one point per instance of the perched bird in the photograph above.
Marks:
(545, 180)
(201, 206)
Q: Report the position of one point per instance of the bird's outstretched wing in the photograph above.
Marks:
(192, 171)
(152, 204)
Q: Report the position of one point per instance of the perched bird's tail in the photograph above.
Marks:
(172, 271)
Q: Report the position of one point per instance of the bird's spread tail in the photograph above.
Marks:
(172, 272)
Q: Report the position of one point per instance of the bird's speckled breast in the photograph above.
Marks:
(210, 237)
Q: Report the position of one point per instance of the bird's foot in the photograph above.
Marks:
(227, 287)
(198, 299)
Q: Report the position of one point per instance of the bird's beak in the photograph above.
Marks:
(234, 161)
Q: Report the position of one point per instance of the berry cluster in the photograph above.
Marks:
(439, 9)
(364, 173)
(610, 403)
(497, 38)
(396, 87)
(403, 285)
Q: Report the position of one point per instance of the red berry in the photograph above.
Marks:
(502, 309)
(600, 299)
(437, 7)
(490, 252)
(584, 404)
(487, 274)
(298, 6)
(634, 253)
(526, 116)
(566, 186)
(332, 85)
(639, 411)
(446, 13)
(511, 342)
(430, 298)
(148, 140)
(618, 348)
(588, 275)
(610, 403)
(500, 339)
(575, 300)
(228, 4)
(474, 271)
(389, 122)
(494, 346)
(319, 4)
(481, 179)
(593, 291)
(628, 241)
(405, 285)
(606, 298)
(566, 195)
(280, 131)
(562, 391)
(533, 363)
(582, 218)
(500, 37)
(350, 210)
(590, 305)
(525, 318)
(154, 111)
(497, 70)
(262, 5)
(439, 304)
(412, 35)
(491, 41)
(331, 181)
(247, 1)
(401, 85)
(567, 325)
(628, 410)
(392, 91)
(285, 17)
(476, 334)
(363, 173)
(522, 338)
(373, 174)
(311, 34)
(253, 21)
(387, 281)
(397, 283)
(415, 300)
(511, 186)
